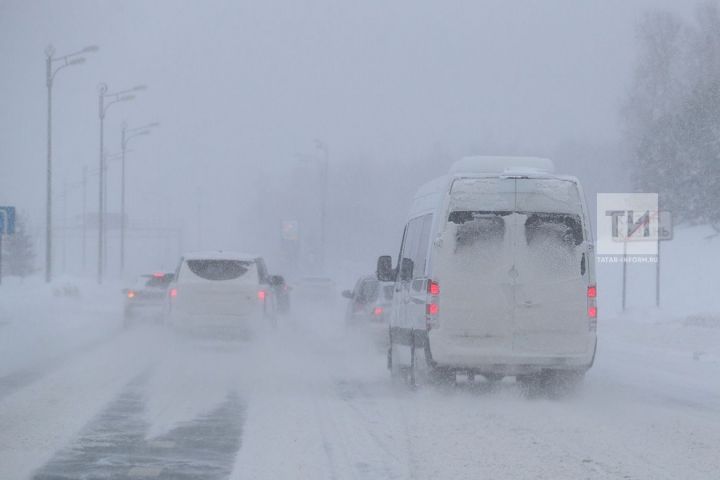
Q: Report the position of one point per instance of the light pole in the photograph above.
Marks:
(322, 146)
(50, 72)
(116, 97)
(126, 136)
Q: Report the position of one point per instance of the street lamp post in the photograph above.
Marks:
(322, 146)
(116, 97)
(50, 72)
(126, 135)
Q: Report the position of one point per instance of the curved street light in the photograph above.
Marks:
(127, 135)
(51, 70)
(115, 97)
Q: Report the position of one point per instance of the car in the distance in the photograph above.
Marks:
(145, 298)
(369, 306)
(370, 302)
(221, 293)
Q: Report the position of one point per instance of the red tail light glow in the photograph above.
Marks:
(158, 275)
(173, 292)
(261, 295)
(432, 307)
(131, 294)
(377, 311)
(592, 306)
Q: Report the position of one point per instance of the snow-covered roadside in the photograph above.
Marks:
(41, 323)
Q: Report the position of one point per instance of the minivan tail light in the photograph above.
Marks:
(432, 306)
(592, 306)
(173, 292)
(377, 311)
(261, 295)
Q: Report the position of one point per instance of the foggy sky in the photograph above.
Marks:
(242, 88)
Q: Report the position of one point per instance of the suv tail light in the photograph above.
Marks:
(173, 292)
(432, 306)
(261, 295)
(377, 311)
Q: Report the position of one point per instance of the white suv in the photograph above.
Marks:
(220, 293)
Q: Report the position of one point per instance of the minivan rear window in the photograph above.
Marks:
(219, 269)
(474, 227)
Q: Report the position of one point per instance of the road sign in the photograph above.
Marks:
(290, 229)
(7, 220)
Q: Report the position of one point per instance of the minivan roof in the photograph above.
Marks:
(428, 196)
(501, 164)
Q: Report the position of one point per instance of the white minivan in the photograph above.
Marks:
(495, 275)
(221, 293)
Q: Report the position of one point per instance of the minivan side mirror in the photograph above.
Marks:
(406, 270)
(385, 272)
(347, 294)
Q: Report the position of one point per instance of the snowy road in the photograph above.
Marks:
(311, 403)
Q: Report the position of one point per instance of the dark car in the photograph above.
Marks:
(145, 299)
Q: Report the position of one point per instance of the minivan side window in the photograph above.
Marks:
(417, 242)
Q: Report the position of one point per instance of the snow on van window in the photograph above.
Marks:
(477, 227)
(487, 194)
(552, 249)
(547, 195)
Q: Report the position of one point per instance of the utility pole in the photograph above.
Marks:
(102, 90)
(320, 145)
(84, 217)
(65, 226)
(123, 145)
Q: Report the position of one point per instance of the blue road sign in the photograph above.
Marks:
(7, 220)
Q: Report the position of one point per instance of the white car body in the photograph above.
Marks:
(508, 248)
(220, 293)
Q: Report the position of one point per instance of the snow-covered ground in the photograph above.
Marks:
(82, 398)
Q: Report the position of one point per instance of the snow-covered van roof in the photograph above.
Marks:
(219, 255)
(499, 164)
(427, 197)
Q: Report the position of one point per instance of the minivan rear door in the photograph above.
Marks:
(549, 255)
(473, 263)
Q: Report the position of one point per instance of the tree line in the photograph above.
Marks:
(672, 113)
